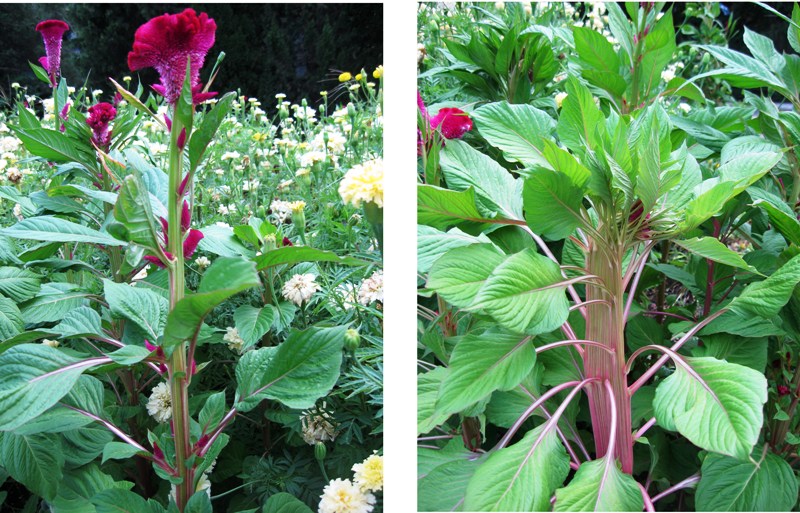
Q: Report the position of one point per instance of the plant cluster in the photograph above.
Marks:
(191, 290)
(608, 260)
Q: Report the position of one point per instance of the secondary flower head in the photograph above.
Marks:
(300, 288)
(342, 496)
(368, 475)
(363, 183)
(318, 425)
(52, 32)
(166, 42)
(234, 340)
(100, 116)
(159, 406)
(452, 122)
(345, 77)
(371, 289)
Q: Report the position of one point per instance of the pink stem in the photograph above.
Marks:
(642, 430)
(648, 503)
(91, 362)
(661, 361)
(689, 482)
(561, 343)
(222, 424)
(637, 274)
(111, 427)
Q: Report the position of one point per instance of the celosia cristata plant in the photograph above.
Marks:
(131, 310)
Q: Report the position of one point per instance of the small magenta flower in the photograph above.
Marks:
(52, 32)
(100, 116)
(453, 123)
(166, 42)
(191, 237)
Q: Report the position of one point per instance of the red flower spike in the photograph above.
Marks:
(186, 216)
(453, 123)
(421, 107)
(162, 368)
(65, 111)
(158, 454)
(193, 368)
(44, 64)
(182, 139)
(155, 260)
(201, 443)
(52, 32)
(783, 390)
(100, 116)
(182, 187)
(168, 122)
(165, 43)
(150, 347)
(287, 242)
(191, 242)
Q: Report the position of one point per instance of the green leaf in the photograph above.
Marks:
(19, 284)
(143, 307)
(79, 322)
(119, 451)
(580, 119)
(712, 249)
(742, 71)
(53, 303)
(521, 477)
(35, 461)
(444, 487)
(213, 411)
(766, 298)
(552, 203)
(523, 294)
(137, 103)
(133, 211)
(599, 485)
(220, 240)
(750, 352)
(79, 486)
(225, 278)
(34, 377)
(129, 355)
(296, 373)
(518, 130)
(118, 500)
(780, 216)
(253, 323)
(715, 404)
(208, 128)
(460, 274)
(200, 502)
(283, 502)
(428, 385)
(433, 243)
(728, 484)
(481, 364)
(55, 146)
(794, 29)
(55, 229)
(443, 208)
(496, 190)
(11, 323)
(296, 254)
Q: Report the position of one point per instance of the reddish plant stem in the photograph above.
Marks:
(710, 274)
(689, 482)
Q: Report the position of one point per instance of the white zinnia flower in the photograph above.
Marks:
(342, 496)
(300, 288)
(159, 406)
(363, 183)
(202, 262)
(235, 342)
(51, 343)
(371, 289)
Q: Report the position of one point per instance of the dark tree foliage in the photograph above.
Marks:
(269, 48)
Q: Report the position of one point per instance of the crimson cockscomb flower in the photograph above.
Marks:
(166, 42)
(452, 122)
(100, 116)
(52, 32)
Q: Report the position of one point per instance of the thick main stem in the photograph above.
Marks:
(178, 367)
(605, 323)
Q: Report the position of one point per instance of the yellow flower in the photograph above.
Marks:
(345, 77)
(359, 77)
(368, 475)
(258, 137)
(363, 183)
(378, 73)
(297, 206)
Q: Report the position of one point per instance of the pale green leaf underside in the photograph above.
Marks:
(600, 486)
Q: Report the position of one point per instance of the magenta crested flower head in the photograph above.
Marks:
(165, 42)
(52, 32)
(100, 116)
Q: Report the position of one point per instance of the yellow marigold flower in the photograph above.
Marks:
(378, 73)
(297, 206)
(359, 77)
(345, 77)
(258, 137)
(363, 183)
(368, 475)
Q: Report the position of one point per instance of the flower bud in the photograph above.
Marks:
(351, 110)
(320, 451)
(351, 340)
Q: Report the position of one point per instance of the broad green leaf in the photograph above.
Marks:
(518, 130)
(79, 486)
(428, 385)
(496, 190)
(252, 323)
(11, 323)
(137, 103)
(780, 215)
(580, 119)
(715, 404)
(296, 373)
(460, 274)
(133, 211)
(205, 131)
(19, 284)
(521, 477)
(706, 204)
(766, 298)
(284, 315)
(750, 352)
(763, 49)
(225, 278)
(212, 412)
(552, 203)
(600, 61)
(55, 146)
(599, 485)
(35, 461)
(200, 502)
(119, 451)
(296, 254)
(524, 294)
(742, 71)
(729, 484)
(713, 249)
(143, 307)
(79, 322)
(129, 355)
(34, 378)
(433, 243)
(564, 162)
(53, 303)
(117, 500)
(443, 208)
(794, 29)
(220, 240)
(444, 487)
(82, 446)
(285, 503)
(481, 364)
(55, 229)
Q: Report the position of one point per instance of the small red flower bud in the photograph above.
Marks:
(783, 390)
